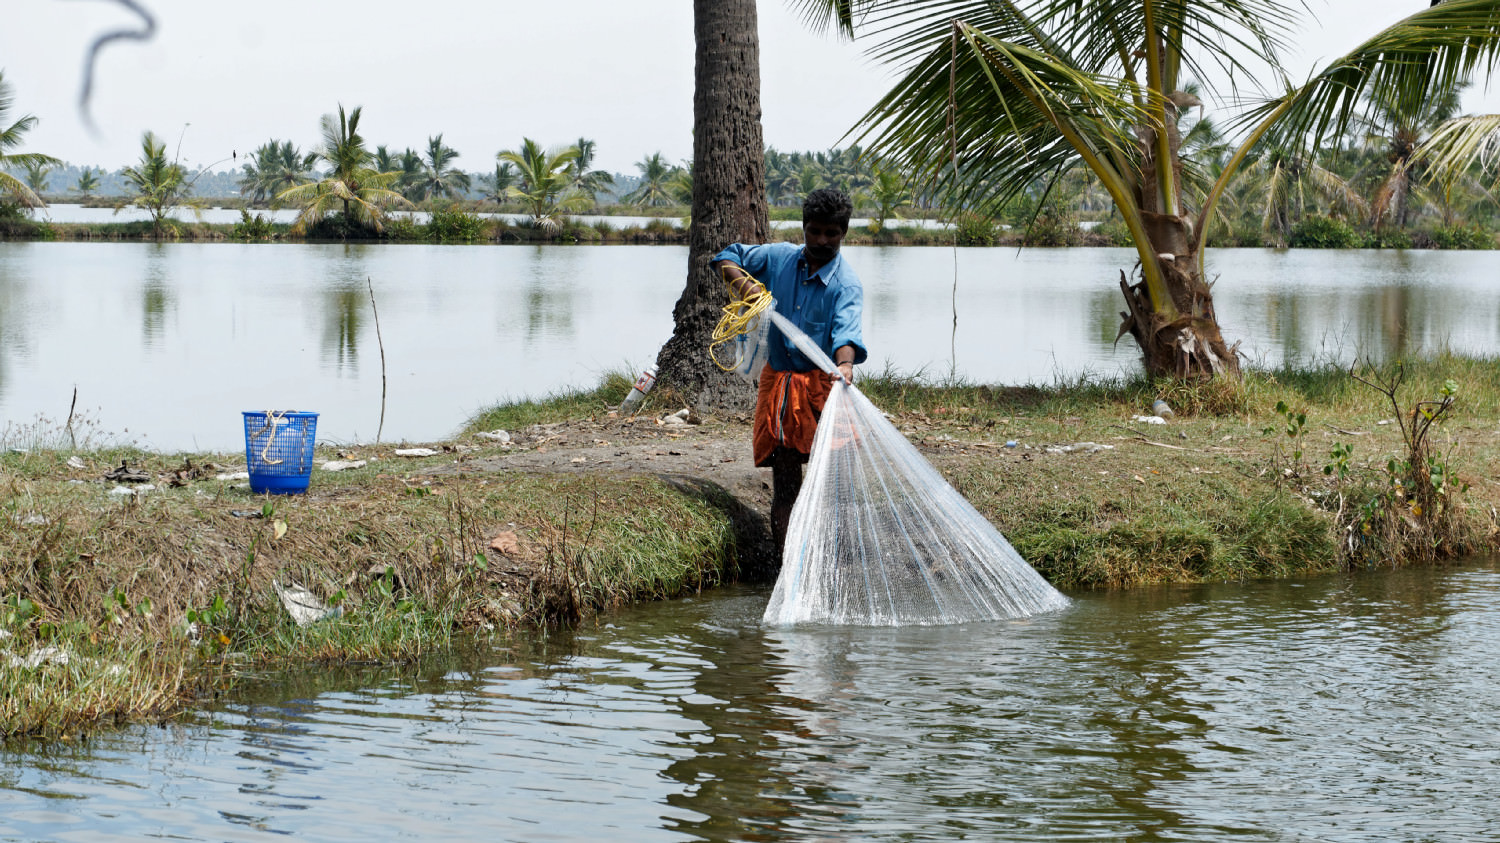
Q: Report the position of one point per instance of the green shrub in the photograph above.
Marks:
(253, 228)
(974, 229)
(1320, 232)
(1462, 237)
(1386, 238)
(451, 225)
(1052, 227)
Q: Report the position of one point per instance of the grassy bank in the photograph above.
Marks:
(117, 604)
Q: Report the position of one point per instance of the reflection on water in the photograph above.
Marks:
(1342, 709)
(230, 327)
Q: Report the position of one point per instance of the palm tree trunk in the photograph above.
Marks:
(729, 195)
(1179, 335)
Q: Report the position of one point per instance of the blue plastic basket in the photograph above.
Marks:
(279, 450)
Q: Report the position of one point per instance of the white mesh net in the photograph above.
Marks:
(879, 538)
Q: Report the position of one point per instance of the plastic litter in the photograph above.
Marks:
(1161, 408)
(344, 465)
(1079, 448)
(304, 607)
(501, 436)
(878, 537)
(638, 392)
(1148, 419)
(76, 462)
(416, 452)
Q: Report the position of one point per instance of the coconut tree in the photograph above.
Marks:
(888, 192)
(585, 178)
(545, 182)
(653, 189)
(275, 166)
(160, 185)
(351, 188)
(88, 182)
(729, 193)
(1398, 131)
(437, 176)
(37, 173)
(996, 95)
(497, 185)
(11, 136)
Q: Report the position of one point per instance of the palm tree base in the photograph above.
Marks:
(1188, 345)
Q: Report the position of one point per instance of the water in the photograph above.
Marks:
(168, 343)
(1342, 709)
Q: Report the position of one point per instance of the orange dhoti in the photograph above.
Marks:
(786, 411)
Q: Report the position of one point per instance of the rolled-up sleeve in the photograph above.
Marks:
(753, 259)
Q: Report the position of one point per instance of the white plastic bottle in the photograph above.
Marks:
(642, 386)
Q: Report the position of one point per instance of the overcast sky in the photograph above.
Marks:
(225, 77)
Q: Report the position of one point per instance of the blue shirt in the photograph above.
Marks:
(827, 306)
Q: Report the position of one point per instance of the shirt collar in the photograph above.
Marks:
(826, 273)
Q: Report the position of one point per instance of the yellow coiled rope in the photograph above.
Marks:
(740, 316)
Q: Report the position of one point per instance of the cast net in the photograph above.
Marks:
(879, 538)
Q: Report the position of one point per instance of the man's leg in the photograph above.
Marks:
(786, 482)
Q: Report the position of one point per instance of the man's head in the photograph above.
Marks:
(825, 221)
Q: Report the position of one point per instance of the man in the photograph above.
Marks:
(817, 290)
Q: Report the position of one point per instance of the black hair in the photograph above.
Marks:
(827, 204)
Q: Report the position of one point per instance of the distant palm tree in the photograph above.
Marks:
(586, 179)
(159, 185)
(10, 138)
(351, 188)
(409, 173)
(653, 189)
(498, 185)
(888, 191)
(1400, 128)
(545, 183)
(36, 174)
(88, 182)
(385, 162)
(274, 167)
(437, 176)
(680, 184)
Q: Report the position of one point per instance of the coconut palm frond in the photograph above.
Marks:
(1461, 143)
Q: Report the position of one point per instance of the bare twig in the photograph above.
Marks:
(380, 342)
(72, 439)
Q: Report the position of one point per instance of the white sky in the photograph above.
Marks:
(225, 77)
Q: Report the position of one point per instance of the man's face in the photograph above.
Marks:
(822, 240)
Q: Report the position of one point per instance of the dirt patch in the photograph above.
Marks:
(711, 449)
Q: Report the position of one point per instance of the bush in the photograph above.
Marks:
(253, 228)
(1384, 238)
(1320, 232)
(1462, 237)
(974, 229)
(1052, 227)
(451, 225)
